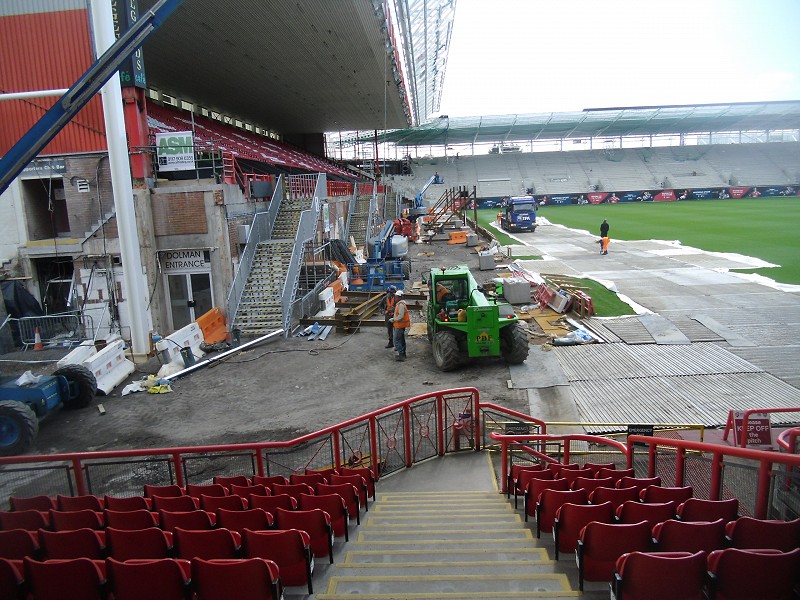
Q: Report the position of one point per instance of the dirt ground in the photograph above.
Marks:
(276, 391)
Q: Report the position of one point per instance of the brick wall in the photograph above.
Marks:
(179, 213)
(86, 208)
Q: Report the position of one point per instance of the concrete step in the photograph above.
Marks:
(513, 532)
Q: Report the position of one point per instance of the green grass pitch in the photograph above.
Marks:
(765, 228)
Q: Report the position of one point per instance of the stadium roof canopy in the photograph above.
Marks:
(305, 67)
(602, 122)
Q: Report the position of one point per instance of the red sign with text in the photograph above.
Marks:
(759, 432)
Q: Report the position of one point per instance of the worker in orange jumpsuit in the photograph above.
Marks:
(604, 242)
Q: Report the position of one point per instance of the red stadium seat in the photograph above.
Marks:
(737, 574)
(290, 549)
(601, 544)
(660, 576)
(572, 518)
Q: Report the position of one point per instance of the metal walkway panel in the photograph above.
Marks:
(663, 330)
(781, 361)
(620, 361)
(694, 329)
(704, 399)
(630, 330)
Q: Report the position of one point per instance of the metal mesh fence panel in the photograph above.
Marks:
(697, 473)
(496, 422)
(36, 481)
(354, 444)
(740, 481)
(785, 494)
(127, 477)
(423, 431)
(391, 442)
(316, 454)
(201, 469)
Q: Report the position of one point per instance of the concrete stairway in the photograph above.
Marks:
(359, 219)
(442, 530)
(260, 309)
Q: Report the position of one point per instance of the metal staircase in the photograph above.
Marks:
(444, 531)
(274, 263)
(358, 220)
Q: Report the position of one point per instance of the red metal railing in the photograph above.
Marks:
(788, 440)
(729, 426)
(408, 431)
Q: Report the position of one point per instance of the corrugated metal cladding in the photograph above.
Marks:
(40, 51)
(24, 7)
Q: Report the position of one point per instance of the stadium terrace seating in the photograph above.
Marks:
(76, 519)
(534, 491)
(163, 490)
(76, 543)
(251, 578)
(326, 473)
(214, 489)
(292, 489)
(350, 495)
(335, 506)
(271, 503)
(289, 549)
(572, 518)
(214, 543)
(311, 479)
(227, 482)
(656, 493)
(31, 520)
(316, 523)
(590, 485)
(614, 495)
(651, 512)
(245, 490)
(737, 574)
(256, 519)
(269, 480)
(79, 503)
(360, 481)
(548, 504)
(127, 503)
(159, 579)
(572, 474)
(595, 467)
(615, 474)
(601, 544)
(16, 544)
(659, 576)
(689, 536)
(366, 473)
(192, 519)
(513, 473)
(46, 580)
(43, 503)
(212, 503)
(243, 144)
(639, 483)
(11, 582)
(556, 468)
(130, 519)
(749, 533)
(174, 503)
(697, 509)
(524, 478)
(148, 543)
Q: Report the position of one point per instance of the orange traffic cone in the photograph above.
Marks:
(37, 340)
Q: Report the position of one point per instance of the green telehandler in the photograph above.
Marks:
(463, 323)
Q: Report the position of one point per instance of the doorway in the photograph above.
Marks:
(189, 297)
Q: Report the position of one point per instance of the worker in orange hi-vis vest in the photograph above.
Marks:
(401, 321)
(604, 242)
(387, 306)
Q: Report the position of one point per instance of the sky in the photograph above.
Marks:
(534, 56)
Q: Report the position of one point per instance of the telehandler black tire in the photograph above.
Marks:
(514, 344)
(82, 379)
(18, 427)
(445, 351)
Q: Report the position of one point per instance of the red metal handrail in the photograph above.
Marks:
(788, 440)
(764, 458)
(77, 458)
(746, 420)
(506, 440)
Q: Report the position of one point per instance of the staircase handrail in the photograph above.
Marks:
(260, 231)
(351, 207)
(306, 229)
(788, 440)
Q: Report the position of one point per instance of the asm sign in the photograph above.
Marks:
(175, 151)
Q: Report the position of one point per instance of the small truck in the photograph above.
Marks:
(519, 214)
